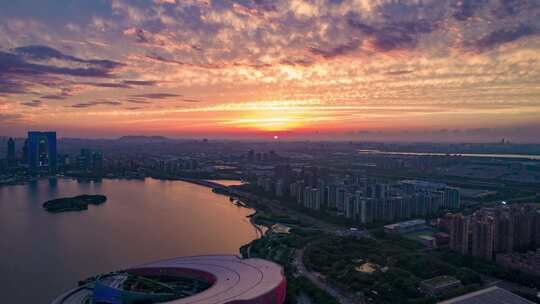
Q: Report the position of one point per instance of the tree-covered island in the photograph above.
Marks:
(76, 203)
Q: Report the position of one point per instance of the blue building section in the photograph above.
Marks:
(108, 290)
(106, 294)
(42, 153)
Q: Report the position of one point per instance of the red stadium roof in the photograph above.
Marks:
(233, 279)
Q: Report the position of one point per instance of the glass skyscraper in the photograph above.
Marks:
(41, 151)
(11, 158)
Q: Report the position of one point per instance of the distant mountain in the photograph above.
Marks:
(140, 138)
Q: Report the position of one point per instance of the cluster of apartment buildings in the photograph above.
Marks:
(497, 230)
(176, 165)
(38, 154)
(358, 197)
(90, 160)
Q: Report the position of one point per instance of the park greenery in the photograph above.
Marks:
(401, 265)
(280, 248)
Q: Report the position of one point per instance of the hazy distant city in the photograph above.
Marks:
(349, 222)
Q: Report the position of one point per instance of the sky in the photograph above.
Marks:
(426, 70)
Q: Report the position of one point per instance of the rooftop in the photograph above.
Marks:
(234, 279)
(406, 224)
(440, 281)
(490, 295)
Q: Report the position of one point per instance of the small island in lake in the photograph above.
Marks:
(76, 203)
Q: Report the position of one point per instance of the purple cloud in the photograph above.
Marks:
(96, 103)
(33, 103)
(27, 66)
(395, 35)
(504, 35)
(465, 9)
(337, 50)
(41, 52)
(140, 82)
(156, 95)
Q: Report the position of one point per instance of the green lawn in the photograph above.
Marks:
(415, 234)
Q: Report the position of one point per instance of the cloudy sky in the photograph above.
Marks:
(317, 69)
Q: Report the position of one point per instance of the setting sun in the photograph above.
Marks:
(350, 72)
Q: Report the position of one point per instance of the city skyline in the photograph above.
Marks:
(254, 69)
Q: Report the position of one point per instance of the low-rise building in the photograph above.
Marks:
(439, 285)
(405, 227)
(442, 238)
(528, 262)
(428, 241)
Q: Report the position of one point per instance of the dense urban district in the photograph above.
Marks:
(351, 222)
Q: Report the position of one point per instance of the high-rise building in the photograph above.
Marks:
(300, 192)
(268, 184)
(366, 206)
(84, 161)
(93, 161)
(280, 187)
(11, 159)
(350, 201)
(42, 151)
(292, 189)
(459, 233)
(25, 152)
(483, 235)
(422, 203)
(316, 199)
(451, 198)
(536, 230)
(504, 232)
(250, 156)
(307, 197)
(312, 198)
(331, 196)
(340, 203)
(97, 161)
(499, 230)
(523, 215)
(378, 191)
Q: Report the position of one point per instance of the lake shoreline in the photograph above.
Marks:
(171, 219)
(208, 183)
(251, 217)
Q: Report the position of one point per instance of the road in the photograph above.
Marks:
(341, 296)
(277, 208)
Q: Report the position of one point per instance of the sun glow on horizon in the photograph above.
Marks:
(270, 124)
(313, 68)
(272, 116)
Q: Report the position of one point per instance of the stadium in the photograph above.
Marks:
(223, 279)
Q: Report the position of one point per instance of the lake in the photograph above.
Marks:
(44, 254)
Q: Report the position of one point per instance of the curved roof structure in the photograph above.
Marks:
(233, 280)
